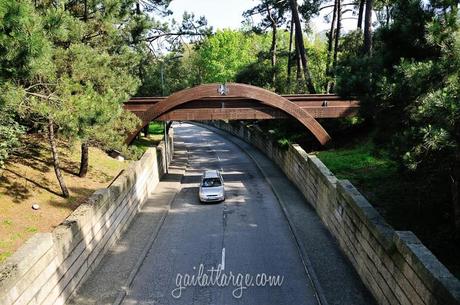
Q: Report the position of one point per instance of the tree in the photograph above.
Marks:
(10, 132)
(222, 55)
(96, 63)
(433, 139)
(360, 13)
(69, 76)
(21, 55)
(273, 17)
(331, 47)
(96, 85)
(368, 27)
(26, 68)
(409, 87)
(300, 46)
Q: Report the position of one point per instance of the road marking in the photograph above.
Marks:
(218, 158)
(223, 258)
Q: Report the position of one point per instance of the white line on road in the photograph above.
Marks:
(223, 258)
(218, 158)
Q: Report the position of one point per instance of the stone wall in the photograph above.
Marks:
(395, 266)
(50, 266)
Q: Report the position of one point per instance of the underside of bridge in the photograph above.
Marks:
(234, 101)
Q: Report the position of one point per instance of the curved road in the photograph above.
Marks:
(248, 234)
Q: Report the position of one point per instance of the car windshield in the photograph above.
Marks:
(210, 182)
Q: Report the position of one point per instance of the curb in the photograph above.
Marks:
(308, 267)
(125, 289)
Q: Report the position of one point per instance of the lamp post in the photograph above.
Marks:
(165, 123)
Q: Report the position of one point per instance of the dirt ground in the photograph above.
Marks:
(28, 178)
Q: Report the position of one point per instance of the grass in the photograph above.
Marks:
(359, 164)
(155, 136)
(375, 175)
(28, 178)
(378, 179)
(156, 128)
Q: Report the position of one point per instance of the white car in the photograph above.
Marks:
(211, 187)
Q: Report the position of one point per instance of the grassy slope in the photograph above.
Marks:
(402, 200)
(375, 176)
(28, 178)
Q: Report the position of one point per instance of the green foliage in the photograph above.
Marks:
(317, 55)
(141, 144)
(283, 143)
(259, 73)
(24, 54)
(409, 89)
(179, 72)
(24, 49)
(358, 163)
(86, 81)
(222, 55)
(434, 116)
(10, 132)
(156, 128)
(94, 84)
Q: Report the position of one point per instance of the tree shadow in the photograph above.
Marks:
(37, 156)
(37, 184)
(32, 162)
(14, 189)
(78, 195)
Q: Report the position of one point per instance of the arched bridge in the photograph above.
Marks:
(234, 101)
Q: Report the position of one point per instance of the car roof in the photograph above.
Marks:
(211, 174)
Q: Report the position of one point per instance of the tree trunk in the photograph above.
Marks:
(273, 46)
(455, 189)
(330, 44)
(290, 53)
(84, 159)
(302, 52)
(57, 169)
(85, 14)
(331, 84)
(360, 14)
(298, 65)
(388, 14)
(368, 28)
(337, 33)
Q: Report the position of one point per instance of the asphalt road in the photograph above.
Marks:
(247, 236)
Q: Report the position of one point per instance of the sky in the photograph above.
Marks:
(219, 13)
(228, 13)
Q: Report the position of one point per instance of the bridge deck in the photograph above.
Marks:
(239, 108)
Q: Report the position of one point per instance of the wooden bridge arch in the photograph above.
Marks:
(236, 93)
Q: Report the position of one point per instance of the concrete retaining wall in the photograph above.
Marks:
(395, 266)
(50, 266)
